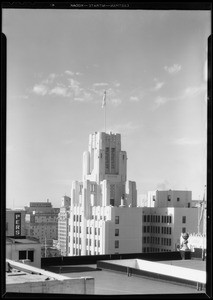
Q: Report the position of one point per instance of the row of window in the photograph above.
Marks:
(156, 219)
(156, 240)
(153, 249)
(156, 229)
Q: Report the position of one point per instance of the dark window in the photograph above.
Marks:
(99, 232)
(87, 230)
(183, 229)
(116, 232)
(116, 219)
(22, 255)
(153, 198)
(148, 218)
(169, 198)
(183, 219)
(31, 255)
(178, 199)
(112, 202)
(107, 160)
(112, 158)
(116, 244)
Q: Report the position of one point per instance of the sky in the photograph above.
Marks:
(152, 64)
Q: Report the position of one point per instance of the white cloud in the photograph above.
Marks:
(74, 85)
(158, 86)
(159, 101)
(134, 99)
(70, 73)
(194, 90)
(60, 91)
(174, 69)
(40, 89)
(100, 84)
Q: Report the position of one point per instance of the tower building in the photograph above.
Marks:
(104, 218)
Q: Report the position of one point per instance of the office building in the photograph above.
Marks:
(42, 222)
(63, 225)
(104, 217)
(167, 216)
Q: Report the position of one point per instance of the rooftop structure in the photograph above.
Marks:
(21, 278)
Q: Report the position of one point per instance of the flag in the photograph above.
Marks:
(104, 100)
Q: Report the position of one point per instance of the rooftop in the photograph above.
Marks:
(110, 282)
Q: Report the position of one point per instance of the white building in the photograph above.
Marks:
(63, 225)
(104, 218)
(169, 213)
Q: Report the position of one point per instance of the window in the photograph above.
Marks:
(116, 244)
(116, 232)
(183, 229)
(148, 218)
(112, 158)
(107, 160)
(116, 219)
(22, 254)
(178, 199)
(153, 198)
(31, 255)
(99, 231)
(169, 198)
(183, 219)
(87, 230)
(95, 231)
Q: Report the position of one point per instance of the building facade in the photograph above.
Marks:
(18, 247)
(63, 225)
(42, 222)
(104, 218)
(167, 216)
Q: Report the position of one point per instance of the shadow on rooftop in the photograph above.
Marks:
(71, 269)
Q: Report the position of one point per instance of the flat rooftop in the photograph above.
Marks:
(116, 283)
(188, 263)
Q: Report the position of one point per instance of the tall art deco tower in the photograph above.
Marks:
(104, 218)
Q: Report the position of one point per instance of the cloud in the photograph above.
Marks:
(158, 86)
(189, 92)
(164, 185)
(174, 69)
(100, 84)
(193, 91)
(70, 73)
(134, 99)
(186, 141)
(40, 89)
(59, 91)
(159, 101)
